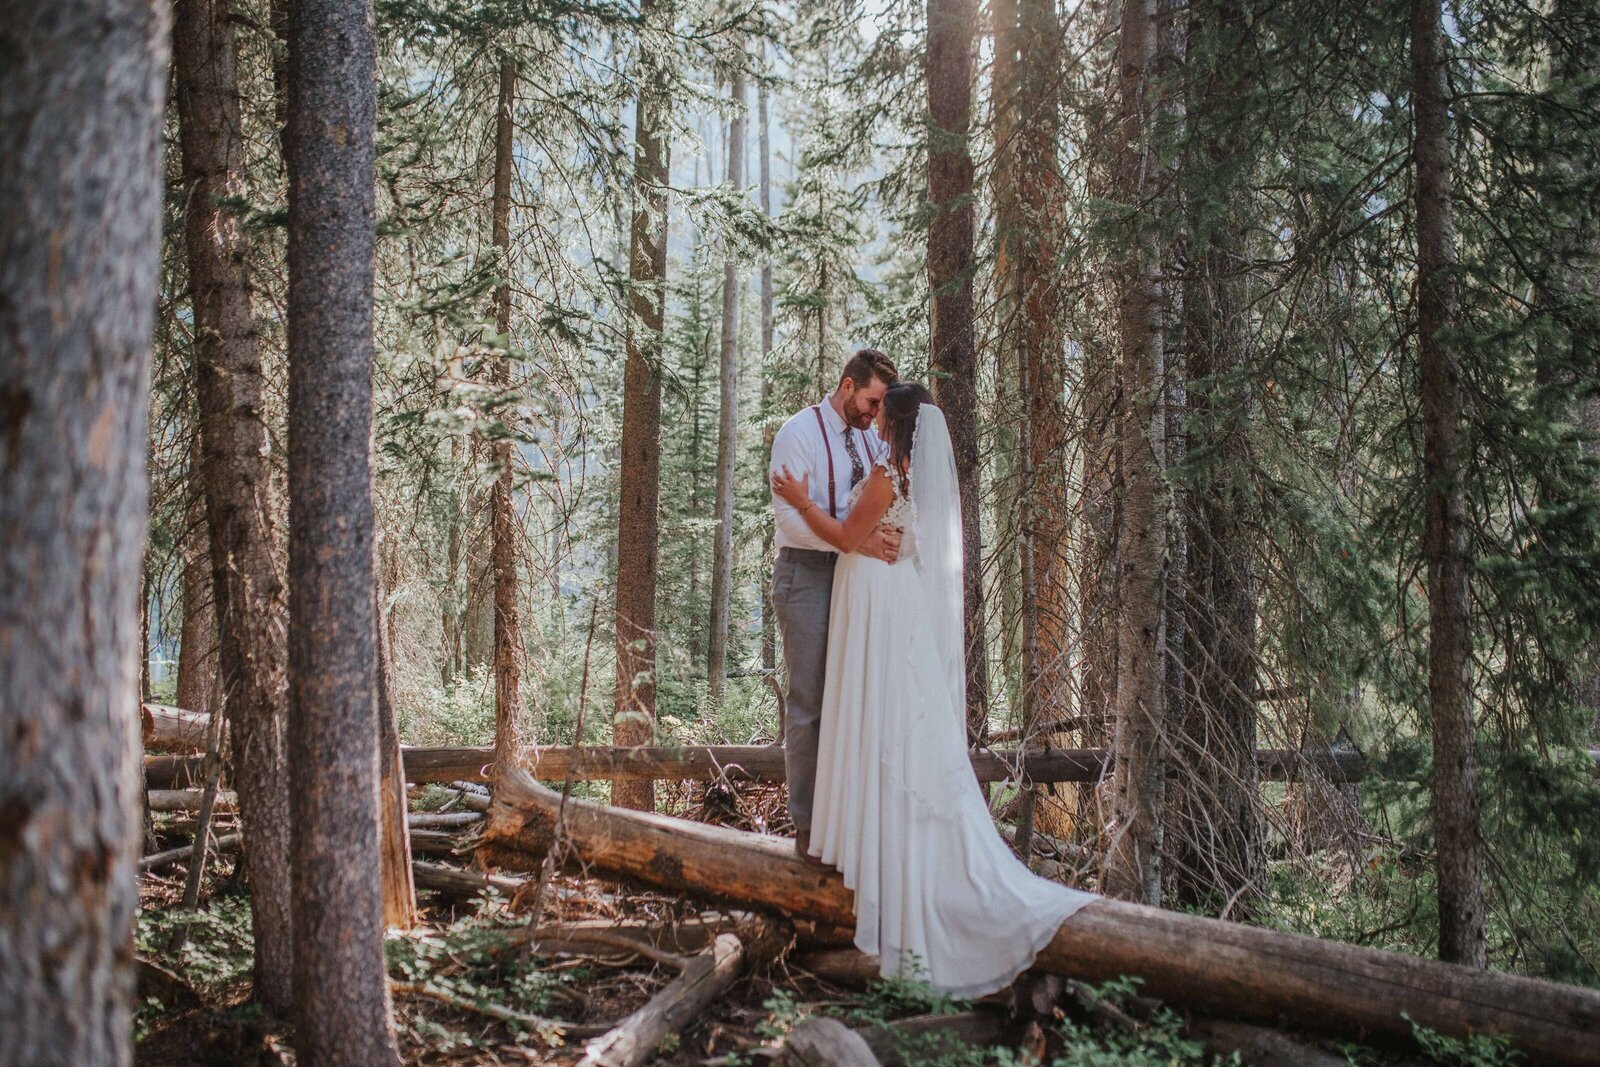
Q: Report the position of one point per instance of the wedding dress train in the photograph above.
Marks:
(938, 894)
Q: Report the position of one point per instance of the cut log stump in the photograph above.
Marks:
(173, 729)
(1215, 967)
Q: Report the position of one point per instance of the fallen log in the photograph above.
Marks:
(434, 842)
(225, 843)
(1220, 968)
(449, 820)
(634, 1040)
(458, 883)
(173, 729)
(171, 800)
(764, 763)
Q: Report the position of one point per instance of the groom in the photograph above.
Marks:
(834, 443)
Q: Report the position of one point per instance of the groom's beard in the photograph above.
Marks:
(853, 416)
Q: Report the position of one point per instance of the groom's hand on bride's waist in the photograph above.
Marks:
(882, 543)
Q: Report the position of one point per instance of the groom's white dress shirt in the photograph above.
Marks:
(802, 447)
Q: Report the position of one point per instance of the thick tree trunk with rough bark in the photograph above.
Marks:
(341, 989)
(952, 356)
(81, 95)
(728, 420)
(1215, 821)
(508, 735)
(235, 468)
(1133, 859)
(1457, 840)
(638, 519)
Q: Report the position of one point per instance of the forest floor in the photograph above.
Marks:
(465, 964)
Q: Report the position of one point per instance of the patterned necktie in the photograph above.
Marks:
(857, 472)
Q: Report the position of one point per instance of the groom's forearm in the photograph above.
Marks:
(796, 531)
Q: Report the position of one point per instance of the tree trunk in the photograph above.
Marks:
(769, 632)
(341, 987)
(1216, 821)
(1458, 845)
(399, 892)
(1133, 860)
(1099, 507)
(247, 588)
(638, 520)
(476, 621)
(728, 424)
(81, 114)
(197, 643)
(952, 356)
(508, 729)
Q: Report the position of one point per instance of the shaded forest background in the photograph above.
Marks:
(1243, 365)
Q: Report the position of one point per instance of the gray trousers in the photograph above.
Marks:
(802, 589)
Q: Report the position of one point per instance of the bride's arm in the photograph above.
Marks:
(849, 535)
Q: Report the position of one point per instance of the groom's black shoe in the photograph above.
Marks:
(802, 848)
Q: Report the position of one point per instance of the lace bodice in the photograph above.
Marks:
(900, 511)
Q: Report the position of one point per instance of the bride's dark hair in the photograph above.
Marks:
(900, 406)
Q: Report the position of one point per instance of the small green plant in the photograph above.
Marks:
(783, 1013)
(1479, 1050)
(478, 961)
(888, 999)
(219, 950)
(1158, 1042)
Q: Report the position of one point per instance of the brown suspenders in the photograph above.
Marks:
(827, 446)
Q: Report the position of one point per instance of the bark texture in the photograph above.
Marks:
(1215, 824)
(341, 988)
(81, 100)
(508, 737)
(399, 890)
(728, 418)
(638, 518)
(247, 588)
(769, 629)
(1133, 859)
(952, 356)
(1457, 842)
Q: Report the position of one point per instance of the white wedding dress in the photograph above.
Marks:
(938, 894)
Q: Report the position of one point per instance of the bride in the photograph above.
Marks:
(938, 895)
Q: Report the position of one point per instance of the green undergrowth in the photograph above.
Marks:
(478, 960)
(1388, 899)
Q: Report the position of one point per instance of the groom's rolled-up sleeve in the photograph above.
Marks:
(791, 449)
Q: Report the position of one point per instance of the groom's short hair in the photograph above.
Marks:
(867, 364)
